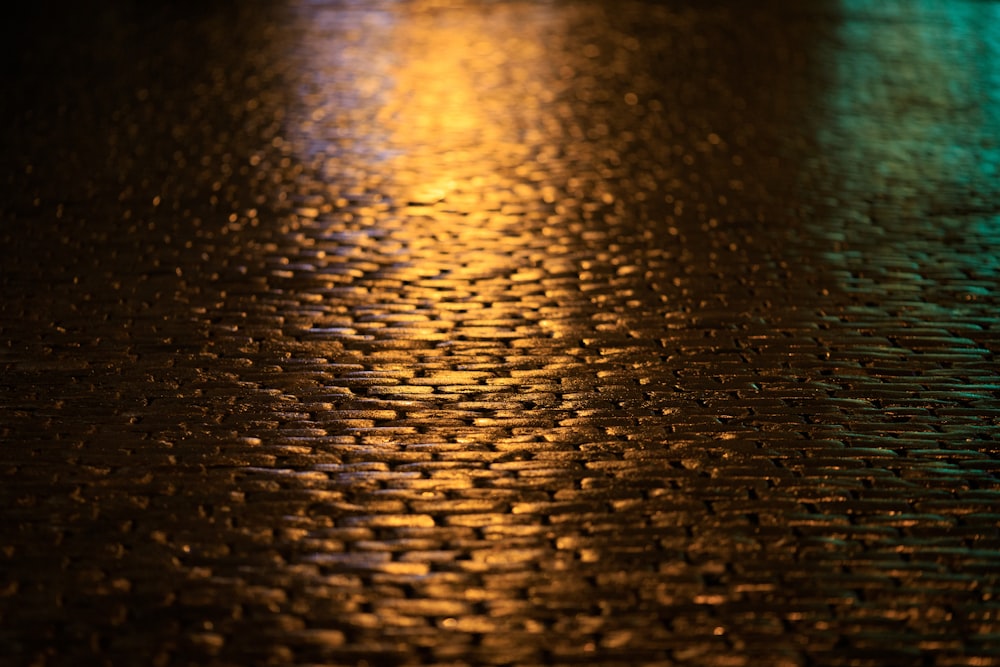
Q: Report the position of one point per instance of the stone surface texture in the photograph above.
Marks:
(500, 333)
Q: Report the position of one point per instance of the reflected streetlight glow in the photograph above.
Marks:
(451, 168)
(909, 103)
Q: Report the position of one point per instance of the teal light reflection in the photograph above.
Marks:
(911, 132)
(917, 93)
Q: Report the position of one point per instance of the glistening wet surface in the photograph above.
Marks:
(504, 333)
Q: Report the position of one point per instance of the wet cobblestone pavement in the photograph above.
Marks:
(501, 333)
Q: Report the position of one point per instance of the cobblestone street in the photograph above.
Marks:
(432, 332)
